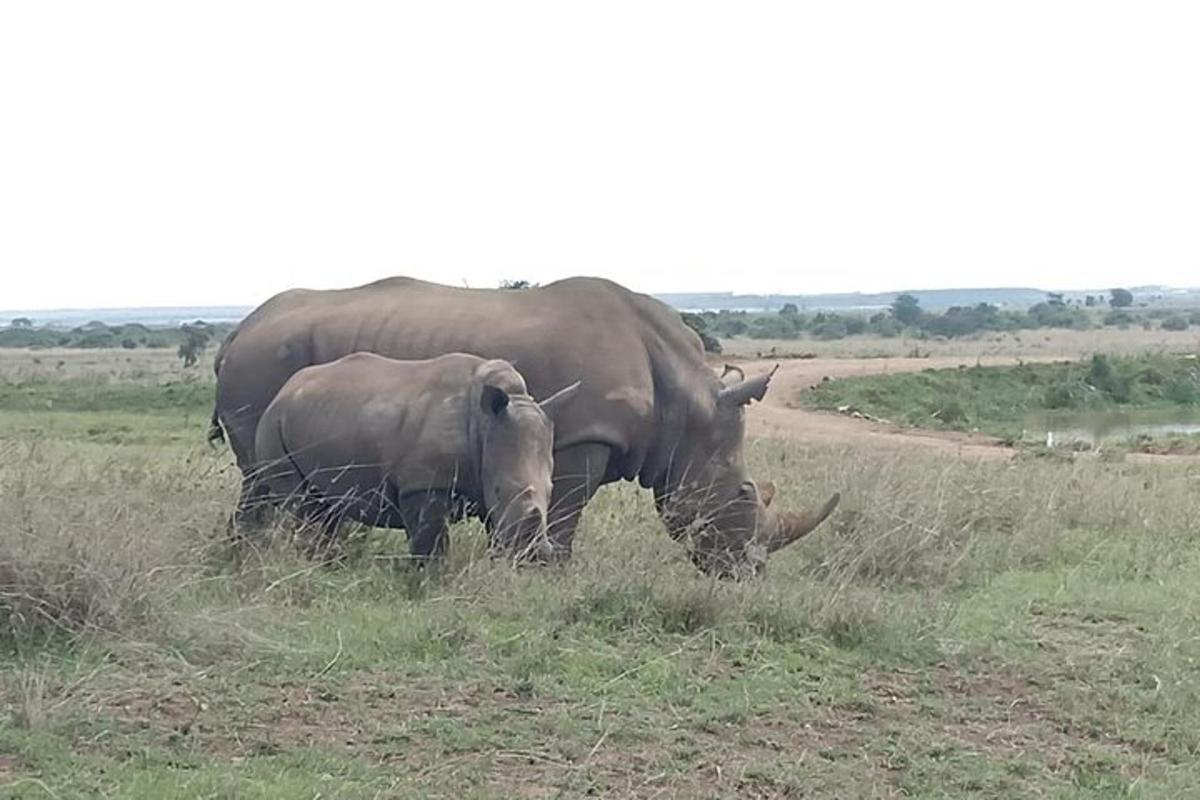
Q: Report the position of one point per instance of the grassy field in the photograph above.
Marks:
(958, 629)
(996, 400)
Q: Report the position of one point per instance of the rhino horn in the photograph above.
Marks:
(556, 401)
(795, 526)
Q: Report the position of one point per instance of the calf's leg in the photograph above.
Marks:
(426, 518)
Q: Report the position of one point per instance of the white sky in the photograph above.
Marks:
(166, 153)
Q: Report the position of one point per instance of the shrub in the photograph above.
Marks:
(774, 326)
(1102, 377)
(699, 324)
(828, 331)
(1177, 322)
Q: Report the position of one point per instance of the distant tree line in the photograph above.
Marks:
(189, 340)
(906, 317)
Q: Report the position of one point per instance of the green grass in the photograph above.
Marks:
(956, 630)
(996, 399)
(94, 394)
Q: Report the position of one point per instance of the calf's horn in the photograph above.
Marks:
(796, 526)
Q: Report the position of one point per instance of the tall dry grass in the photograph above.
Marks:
(92, 537)
(97, 539)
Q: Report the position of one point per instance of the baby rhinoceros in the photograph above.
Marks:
(402, 444)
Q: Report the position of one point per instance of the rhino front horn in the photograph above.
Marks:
(796, 526)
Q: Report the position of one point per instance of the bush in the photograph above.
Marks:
(774, 326)
(1102, 377)
(828, 331)
(699, 324)
(1185, 393)
(1177, 322)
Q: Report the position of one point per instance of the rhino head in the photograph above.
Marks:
(515, 441)
(710, 501)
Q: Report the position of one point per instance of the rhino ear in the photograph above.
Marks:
(742, 392)
(493, 400)
(555, 402)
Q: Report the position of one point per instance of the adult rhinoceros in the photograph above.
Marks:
(650, 409)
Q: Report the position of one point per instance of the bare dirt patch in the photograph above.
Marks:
(781, 416)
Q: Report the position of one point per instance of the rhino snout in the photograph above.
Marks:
(522, 530)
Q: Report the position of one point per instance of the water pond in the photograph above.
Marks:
(1058, 428)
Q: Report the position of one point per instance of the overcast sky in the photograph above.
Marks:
(166, 153)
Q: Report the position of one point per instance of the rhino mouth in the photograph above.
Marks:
(524, 539)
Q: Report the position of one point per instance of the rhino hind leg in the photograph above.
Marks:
(320, 525)
(578, 472)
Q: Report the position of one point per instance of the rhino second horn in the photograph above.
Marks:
(734, 369)
(796, 526)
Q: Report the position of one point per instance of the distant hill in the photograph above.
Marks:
(154, 317)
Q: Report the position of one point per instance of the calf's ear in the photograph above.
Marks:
(555, 402)
(493, 400)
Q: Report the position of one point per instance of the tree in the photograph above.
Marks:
(195, 339)
(22, 322)
(516, 284)
(906, 309)
(1054, 299)
(1121, 298)
(1089, 301)
(789, 310)
(700, 325)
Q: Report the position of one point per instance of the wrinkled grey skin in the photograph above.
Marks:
(398, 443)
(650, 408)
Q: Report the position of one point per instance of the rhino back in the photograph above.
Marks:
(638, 363)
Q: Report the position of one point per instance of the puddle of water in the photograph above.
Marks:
(1097, 427)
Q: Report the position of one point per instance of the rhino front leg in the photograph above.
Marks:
(578, 473)
(426, 518)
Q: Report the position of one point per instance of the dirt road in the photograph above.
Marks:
(780, 415)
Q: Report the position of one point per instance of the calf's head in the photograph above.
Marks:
(710, 500)
(515, 441)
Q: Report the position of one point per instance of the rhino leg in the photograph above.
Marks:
(426, 518)
(322, 521)
(253, 509)
(578, 473)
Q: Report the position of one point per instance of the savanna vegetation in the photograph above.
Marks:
(957, 630)
(906, 318)
(189, 340)
(997, 400)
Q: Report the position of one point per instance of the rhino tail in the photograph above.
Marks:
(215, 432)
